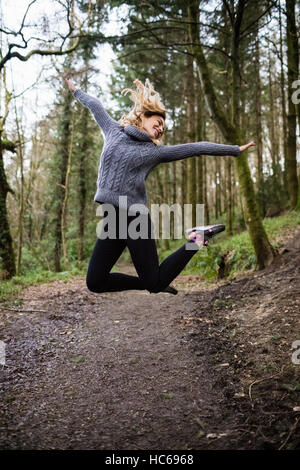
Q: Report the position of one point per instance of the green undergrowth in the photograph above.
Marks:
(240, 254)
(206, 262)
(14, 286)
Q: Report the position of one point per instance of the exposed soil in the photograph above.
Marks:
(210, 368)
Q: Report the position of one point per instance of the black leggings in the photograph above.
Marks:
(152, 276)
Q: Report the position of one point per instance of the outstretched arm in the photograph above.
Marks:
(168, 153)
(102, 118)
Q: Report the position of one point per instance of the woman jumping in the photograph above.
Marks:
(132, 148)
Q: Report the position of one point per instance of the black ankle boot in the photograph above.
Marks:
(170, 290)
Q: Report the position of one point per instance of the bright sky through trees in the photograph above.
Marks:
(35, 78)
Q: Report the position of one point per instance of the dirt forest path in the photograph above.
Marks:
(210, 368)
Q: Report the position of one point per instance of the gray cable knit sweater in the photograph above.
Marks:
(129, 155)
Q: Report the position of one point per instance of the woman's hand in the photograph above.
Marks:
(70, 85)
(245, 147)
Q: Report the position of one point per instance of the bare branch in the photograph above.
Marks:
(249, 26)
(30, 86)
(230, 13)
(144, 49)
(163, 43)
(13, 33)
(41, 52)
(200, 23)
(25, 14)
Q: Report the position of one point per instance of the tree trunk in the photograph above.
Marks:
(274, 148)
(205, 200)
(230, 130)
(258, 129)
(82, 173)
(183, 182)
(7, 256)
(228, 193)
(160, 194)
(65, 199)
(191, 163)
(64, 146)
(229, 197)
(283, 102)
(293, 65)
(218, 188)
(21, 196)
(165, 241)
(199, 137)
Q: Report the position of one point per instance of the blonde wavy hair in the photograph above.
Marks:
(146, 101)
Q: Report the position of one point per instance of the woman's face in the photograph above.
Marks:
(153, 125)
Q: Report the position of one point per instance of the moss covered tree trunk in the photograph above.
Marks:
(7, 256)
(229, 128)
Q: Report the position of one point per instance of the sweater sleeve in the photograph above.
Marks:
(169, 153)
(103, 119)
